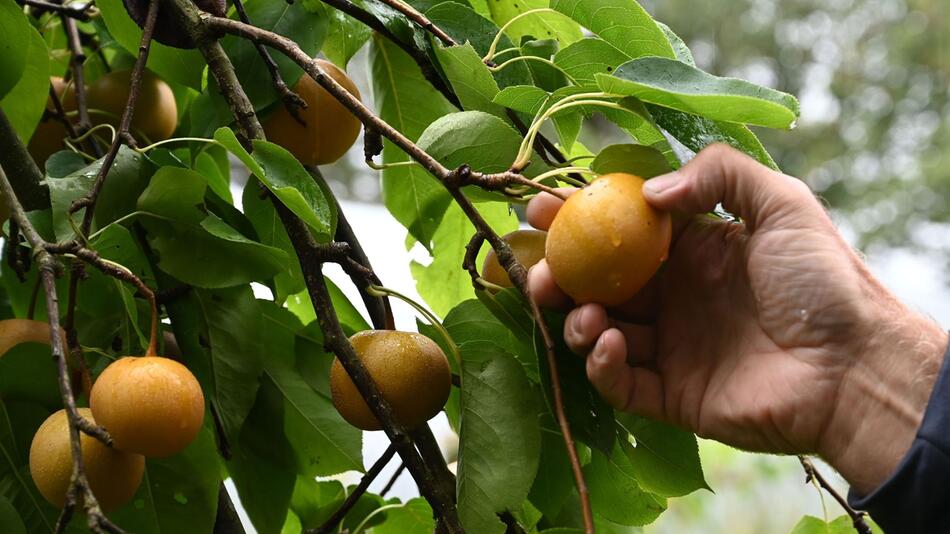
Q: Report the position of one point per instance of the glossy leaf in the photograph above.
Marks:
(524, 98)
(500, 437)
(407, 101)
(669, 83)
(840, 525)
(414, 517)
(14, 44)
(178, 493)
(127, 179)
(539, 25)
(442, 283)
(218, 333)
(323, 442)
(640, 160)
(588, 57)
(270, 230)
(262, 464)
(304, 23)
(295, 188)
(615, 492)
(622, 23)
(24, 103)
(470, 78)
(591, 418)
(345, 37)
(665, 458)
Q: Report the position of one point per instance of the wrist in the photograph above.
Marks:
(883, 396)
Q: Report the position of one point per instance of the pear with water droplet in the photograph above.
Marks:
(606, 242)
(410, 370)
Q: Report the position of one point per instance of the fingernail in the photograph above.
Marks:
(661, 183)
(577, 322)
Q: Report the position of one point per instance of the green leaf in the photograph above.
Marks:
(840, 525)
(18, 423)
(640, 160)
(225, 136)
(591, 418)
(295, 188)
(25, 102)
(262, 464)
(615, 493)
(14, 44)
(126, 181)
(218, 333)
(480, 140)
(175, 193)
(178, 494)
(555, 481)
(441, 283)
(697, 133)
(669, 83)
(208, 167)
(588, 57)
(323, 442)
(10, 519)
(306, 24)
(524, 98)
(539, 25)
(470, 78)
(414, 517)
(466, 26)
(172, 64)
(270, 230)
(680, 49)
(500, 438)
(409, 103)
(665, 458)
(622, 23)
(345, 37)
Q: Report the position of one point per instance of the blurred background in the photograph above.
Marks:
(872, 77)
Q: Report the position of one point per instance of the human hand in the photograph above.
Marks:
(768, 334)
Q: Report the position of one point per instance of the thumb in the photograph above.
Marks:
(722, 174)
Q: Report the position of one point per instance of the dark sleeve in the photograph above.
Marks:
(916, 498)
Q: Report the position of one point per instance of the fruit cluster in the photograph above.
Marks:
(151, 406)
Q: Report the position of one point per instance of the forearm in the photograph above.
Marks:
(883, 397)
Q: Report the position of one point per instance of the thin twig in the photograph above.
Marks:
(72, 11)
(76, 60)
(79, 484)
(420, 19)
(123, 133)
(379, 308)
(857, 517)
(392, 480)
(27, 180)
(291, 100)
(312, 256)
(453, 180)
(331, 523)
(421, 58)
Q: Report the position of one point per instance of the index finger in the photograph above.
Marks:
(543, 207)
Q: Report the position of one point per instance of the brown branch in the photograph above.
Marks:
(429, 448)
(420, 19)
(519, 277)
(291, 100)
(312, 256)
(379, 308)
(857, 517)
(79, 484)
(429, 71)
(123, 133)
(470, 260)
(76, 60)
(331, 523)
(76, 12)
(453, 180)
